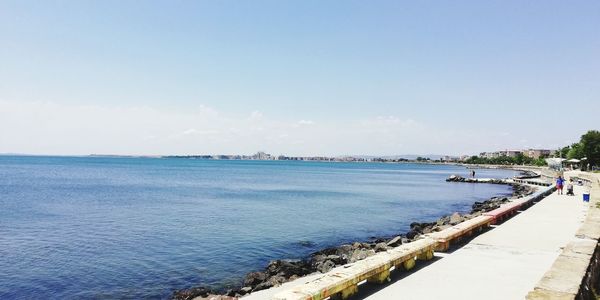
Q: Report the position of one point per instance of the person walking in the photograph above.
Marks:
(559, 185)
(570, 189)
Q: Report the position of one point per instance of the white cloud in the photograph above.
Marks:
(53, 128)
(306, 122)
(256, 115)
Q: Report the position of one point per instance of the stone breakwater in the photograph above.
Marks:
(281, 271)
(457, 178)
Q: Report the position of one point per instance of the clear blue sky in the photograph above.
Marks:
(296, 77)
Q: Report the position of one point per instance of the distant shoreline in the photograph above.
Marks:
(309, 159)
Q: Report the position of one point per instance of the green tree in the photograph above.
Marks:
(540, 162)
(519, 159)
(575, 151)
(562, 152)
(590, 145)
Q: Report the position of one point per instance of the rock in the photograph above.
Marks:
(360, 254)
(216, 297)
(336, 259)
(455, 178)
(443, 221)
(427, 230)
(440, 228)
(288, 268)
(327, 251)
(345, 251)
(455, 218)
(190, 294)
(397, 241)
(325, 266)
(380, 247)
(273, 281)
(379, 240)
(414, 225)
(411, 235)
(245, 290)
(254, 278)
(293, 277)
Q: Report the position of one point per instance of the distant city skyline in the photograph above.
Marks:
(305, 78)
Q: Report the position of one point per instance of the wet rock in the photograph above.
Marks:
(189, 294)
(328, 251)
(288, 268)
(254, 278)
(378, 240)
(411, 235)
(269, 283)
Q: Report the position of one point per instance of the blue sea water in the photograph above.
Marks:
(132, 228)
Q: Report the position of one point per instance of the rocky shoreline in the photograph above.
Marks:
(280, 271)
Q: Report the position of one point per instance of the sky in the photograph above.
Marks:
(296, 77)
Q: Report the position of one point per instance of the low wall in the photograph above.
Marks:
(575, 273)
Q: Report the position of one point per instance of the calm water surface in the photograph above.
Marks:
(89, 227)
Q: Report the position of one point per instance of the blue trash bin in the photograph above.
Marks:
(586, 197)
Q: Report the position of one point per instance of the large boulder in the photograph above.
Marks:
(254, 278)
(273, 281)
(325, 266)
(288, 268)
(380, 247)
(192, 293)
(395, 242)
(360, 254)
(455, 218)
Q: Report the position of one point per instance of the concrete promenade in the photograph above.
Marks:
(503, 263)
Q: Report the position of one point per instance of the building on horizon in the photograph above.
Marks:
(533, 153)
(537, 153)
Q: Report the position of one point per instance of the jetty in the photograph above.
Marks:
(542, 246)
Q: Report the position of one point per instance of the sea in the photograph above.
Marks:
(141, 228)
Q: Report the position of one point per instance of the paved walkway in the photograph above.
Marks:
(503, 263)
